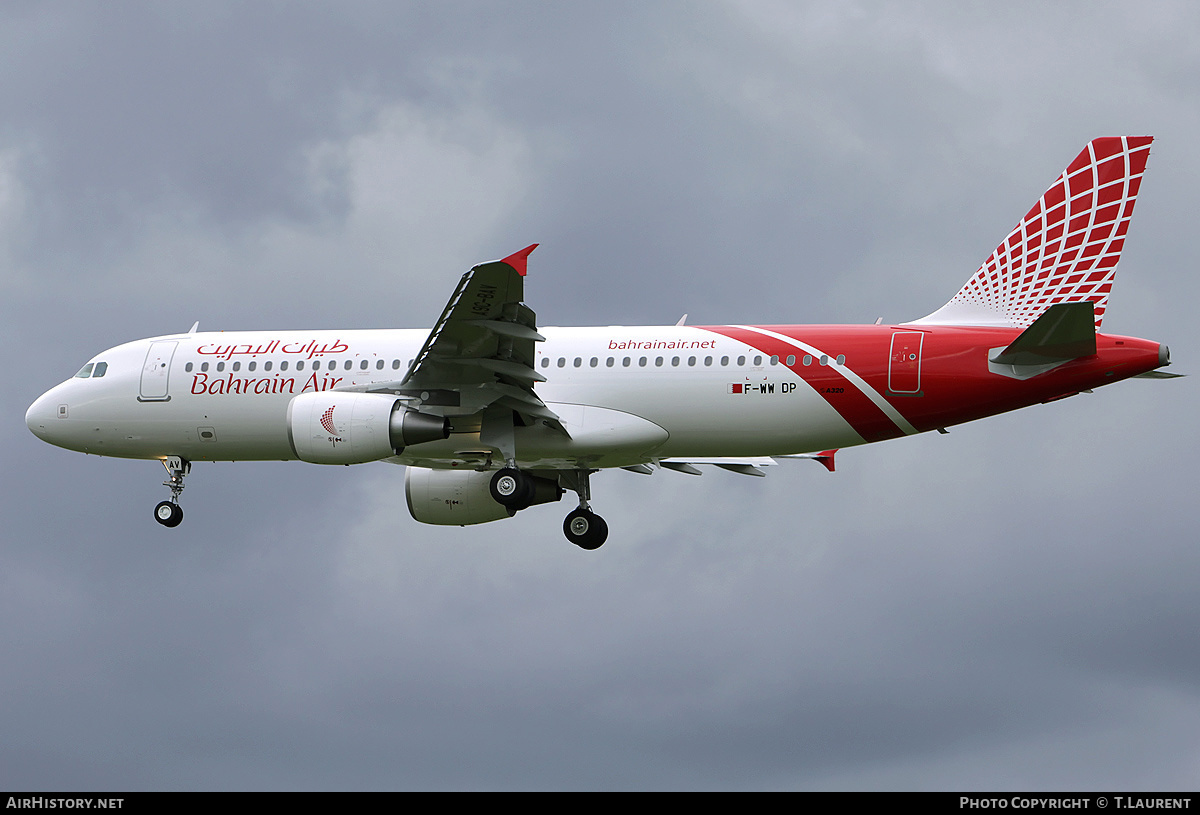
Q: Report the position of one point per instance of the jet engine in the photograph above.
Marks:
(333, 427)
(462, 497)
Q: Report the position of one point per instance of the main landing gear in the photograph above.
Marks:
(512, 488)
(517, 490)
(585, 529)
(169, 513)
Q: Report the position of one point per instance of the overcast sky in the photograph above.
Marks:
(1009, 606)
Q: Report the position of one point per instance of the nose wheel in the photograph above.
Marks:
(169, 513)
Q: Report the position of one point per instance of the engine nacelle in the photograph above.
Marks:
(333, 427)
(462, 497)
(451, 497)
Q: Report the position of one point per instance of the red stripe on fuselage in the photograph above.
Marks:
(867, 419)
(956, 384)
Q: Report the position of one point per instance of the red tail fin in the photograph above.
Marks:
(1065, 249)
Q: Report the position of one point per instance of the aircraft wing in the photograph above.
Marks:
(480, 353)
(743, 465)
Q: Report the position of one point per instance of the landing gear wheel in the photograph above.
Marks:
(511, 488)
(585, 529)
(168, 514)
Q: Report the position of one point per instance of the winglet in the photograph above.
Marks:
(519, 260)
(825, 458)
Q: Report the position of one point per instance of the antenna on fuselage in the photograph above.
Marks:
(192, 330)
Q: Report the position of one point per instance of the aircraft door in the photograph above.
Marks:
(157, 371)
(904, 362)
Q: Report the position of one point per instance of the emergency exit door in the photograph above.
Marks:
(904, 362)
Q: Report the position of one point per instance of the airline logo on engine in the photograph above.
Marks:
(327, 423)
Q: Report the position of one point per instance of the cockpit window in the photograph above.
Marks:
(84, 372)
(100, 370)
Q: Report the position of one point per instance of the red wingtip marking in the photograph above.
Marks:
(519, 260)
(825, 458)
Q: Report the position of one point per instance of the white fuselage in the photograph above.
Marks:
(225, 396)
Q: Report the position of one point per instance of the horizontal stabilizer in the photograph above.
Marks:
(1064, 331)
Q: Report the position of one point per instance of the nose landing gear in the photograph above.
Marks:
(169, 513)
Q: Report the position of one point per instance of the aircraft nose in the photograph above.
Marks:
(39, 416)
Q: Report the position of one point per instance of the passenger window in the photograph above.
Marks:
(741, 361)
(594, 362)
(724, 361)
(758, 360)
(707, 362)
(220, 366)
(791, 360)
(774, 359)
(841, 359)
(250, 366)
(642, 362)
(395, 364)
(578, 361)
(824, 359)
(609, 362)
(562, 362)
(363, 365)
(675, 362)
(204, 366)
(625, 362)
(808, 359)
(658, 362)
(84, 372)
(379, 365)
(691, 360)
(349, 365)
(283, 365)
(332, 364)
(237, 366)
(187, 368)
(267, 365)
(545, 362)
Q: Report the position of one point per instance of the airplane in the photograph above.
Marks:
(492, 414)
